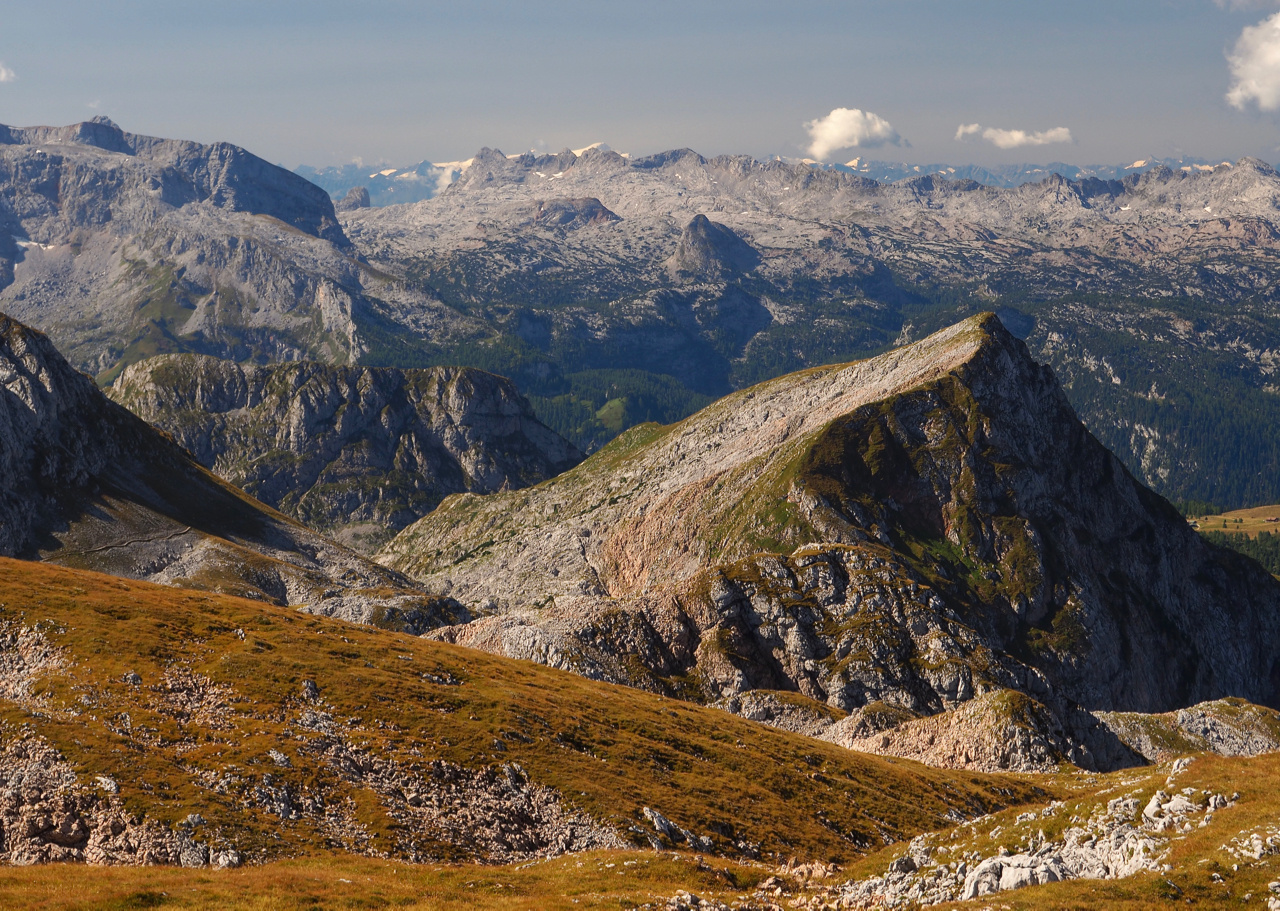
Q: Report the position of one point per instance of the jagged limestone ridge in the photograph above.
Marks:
(358, 452)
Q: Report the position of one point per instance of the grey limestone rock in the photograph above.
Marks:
(709, 249)
(355, 452)
(356, 198)
(120, 245)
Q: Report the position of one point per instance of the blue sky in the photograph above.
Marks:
(325, 82)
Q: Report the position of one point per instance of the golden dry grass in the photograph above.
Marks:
(1242, 521)
(596, 880)
(609, 750)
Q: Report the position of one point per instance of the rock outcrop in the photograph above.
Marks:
(85, 483)
(1228, 727)
(1003, 731)
(354, 452)
(708, 249)
(1124, 836)
(569, 214)
(356, 198)
(917, 530)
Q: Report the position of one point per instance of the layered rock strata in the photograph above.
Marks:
(356, 452)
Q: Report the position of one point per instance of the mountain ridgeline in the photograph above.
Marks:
(915, 530)
(615, 291)
(1152, 296)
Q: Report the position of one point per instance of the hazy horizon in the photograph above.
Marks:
(921, 81)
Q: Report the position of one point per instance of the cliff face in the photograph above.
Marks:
(122, 246)
(916, 529)
(355, 452)
(84, 483)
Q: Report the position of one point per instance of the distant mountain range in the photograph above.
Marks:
(616, 290)
(389, 186)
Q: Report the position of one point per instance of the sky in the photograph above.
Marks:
(382, 81)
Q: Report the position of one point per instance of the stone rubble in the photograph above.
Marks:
(25, 655)
(47, 815)
(673, 833)
(495, 812)
(1123, 839)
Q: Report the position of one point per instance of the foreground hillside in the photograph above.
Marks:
(891, 538)
(145, 724)
(354, 452)
(274, 759)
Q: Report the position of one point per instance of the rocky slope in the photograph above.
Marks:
(122, 245)
(917, 530)
(144, 724)
(85, 483)
(355, 452)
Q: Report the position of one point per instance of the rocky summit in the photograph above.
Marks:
(917, 530)
(87, 484)
(355, 452)
(121, 246)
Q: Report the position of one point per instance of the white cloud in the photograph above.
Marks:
(849, 128)
(1013, 139)
(6, 74)
(1255, 66)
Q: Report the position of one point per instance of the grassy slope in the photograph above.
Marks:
(1242, 521)
(594, 880)
(626, 879)
(610, 750)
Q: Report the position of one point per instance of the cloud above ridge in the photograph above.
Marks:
(1013, 139)
(849, 128)
(6, 74)
(1255, 66)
